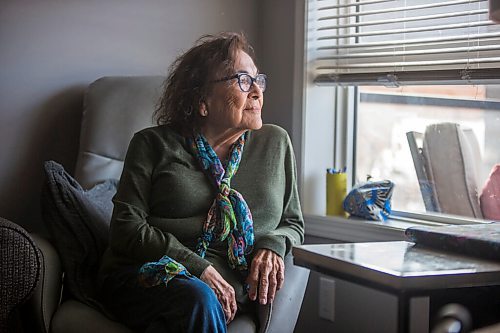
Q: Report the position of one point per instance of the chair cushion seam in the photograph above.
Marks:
(101, 155)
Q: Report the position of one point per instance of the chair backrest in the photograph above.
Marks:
(114, 109)
(415, 140)
(446, 166)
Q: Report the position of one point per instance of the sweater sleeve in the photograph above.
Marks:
(290, 230)
(131, 234)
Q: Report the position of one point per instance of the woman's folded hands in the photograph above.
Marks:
(265, 278)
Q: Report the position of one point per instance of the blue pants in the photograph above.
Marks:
(186, 304)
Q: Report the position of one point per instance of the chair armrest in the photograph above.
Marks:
(47, 295)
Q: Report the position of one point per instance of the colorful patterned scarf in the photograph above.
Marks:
(229, 216)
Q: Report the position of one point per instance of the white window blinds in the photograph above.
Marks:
(393, 42)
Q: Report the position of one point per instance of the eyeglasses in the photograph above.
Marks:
(245, 81)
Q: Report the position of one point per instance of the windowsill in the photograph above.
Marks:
(355, 229)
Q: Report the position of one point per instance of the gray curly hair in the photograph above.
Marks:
(189, 81)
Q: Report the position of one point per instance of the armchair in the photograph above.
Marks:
(114, 109)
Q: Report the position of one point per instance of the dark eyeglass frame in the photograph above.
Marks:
(252, 79)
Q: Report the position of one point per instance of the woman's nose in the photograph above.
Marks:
(255, 91)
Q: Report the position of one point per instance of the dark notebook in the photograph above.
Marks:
(480, 240)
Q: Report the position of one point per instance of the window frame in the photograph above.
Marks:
(450, 103)
(354, 230)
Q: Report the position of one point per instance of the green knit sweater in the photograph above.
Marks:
(164, 197)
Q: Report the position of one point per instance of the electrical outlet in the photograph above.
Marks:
(327, 298)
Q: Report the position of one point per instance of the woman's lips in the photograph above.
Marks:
(253, 109)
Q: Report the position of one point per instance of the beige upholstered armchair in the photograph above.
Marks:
(76, 212)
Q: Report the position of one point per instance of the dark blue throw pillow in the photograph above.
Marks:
(78, 224)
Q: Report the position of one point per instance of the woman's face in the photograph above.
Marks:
(230, 109)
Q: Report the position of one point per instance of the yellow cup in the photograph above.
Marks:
(336, 191)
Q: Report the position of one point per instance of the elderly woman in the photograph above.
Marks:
(207, 205)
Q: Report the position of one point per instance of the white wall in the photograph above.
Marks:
(277, 58)
(50, 50)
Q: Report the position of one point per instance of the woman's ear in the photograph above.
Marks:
(203, 109)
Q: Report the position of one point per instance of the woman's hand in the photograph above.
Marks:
(267, 274)
(223, 290)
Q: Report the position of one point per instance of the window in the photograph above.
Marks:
(386, 115)
(399, 75)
